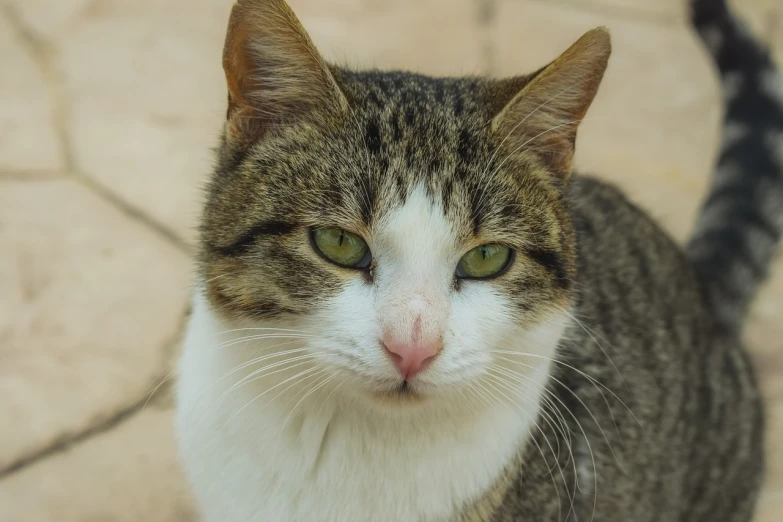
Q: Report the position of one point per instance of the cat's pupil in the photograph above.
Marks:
(484, 252)
(342, 235)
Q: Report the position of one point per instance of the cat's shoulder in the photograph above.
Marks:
(593, 200)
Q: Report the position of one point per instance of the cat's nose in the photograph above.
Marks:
(412, 358)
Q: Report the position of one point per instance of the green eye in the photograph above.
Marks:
(341, 247)
(484, 261)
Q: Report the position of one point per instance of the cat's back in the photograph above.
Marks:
(667, 385)
(628, 261)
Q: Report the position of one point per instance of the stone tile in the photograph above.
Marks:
(439, 37)
(775, 448)
(761, 15)
(777, 41)
(334, 8)
(654, 126)
(770, 507)
(90, 302)
(127, 474)
(147, 103)
(28, 141)
(765, 18)
(651, 10)
(47, 18)
(54, 20)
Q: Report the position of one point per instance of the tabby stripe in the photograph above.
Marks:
(246, 240)
(739, 201)
(550, 260)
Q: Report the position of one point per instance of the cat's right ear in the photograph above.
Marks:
(275, 74)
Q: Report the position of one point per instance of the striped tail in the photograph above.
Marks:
(741, 221)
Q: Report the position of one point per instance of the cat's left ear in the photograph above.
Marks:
(544, 115)
(275, 74)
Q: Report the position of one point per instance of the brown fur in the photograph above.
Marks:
(307, 144)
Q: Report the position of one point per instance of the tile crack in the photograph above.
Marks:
(44, 55)
(69, 441)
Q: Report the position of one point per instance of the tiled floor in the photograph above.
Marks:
(108, 109)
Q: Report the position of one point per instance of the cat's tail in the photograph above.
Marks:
(742, 218)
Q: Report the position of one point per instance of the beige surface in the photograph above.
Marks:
(107, 112)
(91, 301)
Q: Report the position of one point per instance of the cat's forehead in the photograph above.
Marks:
(404, 135)
(416, 230)
(409, 132)
(417, 95)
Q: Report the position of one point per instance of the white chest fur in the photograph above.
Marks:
(331, 459)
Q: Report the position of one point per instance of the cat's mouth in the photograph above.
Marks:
(404, 392)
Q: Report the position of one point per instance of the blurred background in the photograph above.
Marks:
(108, 110)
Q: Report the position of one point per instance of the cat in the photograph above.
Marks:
(408, 307)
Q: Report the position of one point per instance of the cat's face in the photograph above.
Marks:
(400, 228)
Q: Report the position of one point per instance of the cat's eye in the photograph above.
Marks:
(342, 247)
(484, 261)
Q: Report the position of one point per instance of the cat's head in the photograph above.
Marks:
(409, 234)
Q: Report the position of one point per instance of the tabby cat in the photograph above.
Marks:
(409, 309)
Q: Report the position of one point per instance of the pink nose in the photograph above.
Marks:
(411, 359)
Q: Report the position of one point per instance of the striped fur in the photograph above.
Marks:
(742, 219)
(601, 377)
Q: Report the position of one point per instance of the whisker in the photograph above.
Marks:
(154, 390)
(257, 328)
(256, 360)
(589, 447)
(513, 129)
(561, 383)
(251, 401)
(261, 373)
(588, 332)
(523, 145)
(557, 426)
(590, 378)
(249, 338)
(314, 388)
(326, 399)
(524, 380)
(521, 378)
(214, 278)
(543, 435)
